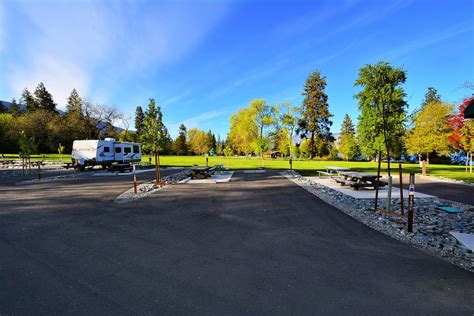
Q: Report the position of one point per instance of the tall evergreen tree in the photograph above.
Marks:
(74, 103)
(3, 108)
(211, 141)
(139, 117)
(14, 108)
(347, 140)
(315, 117)
(430, 96)
(180, 144)
(44, 98)
(29, 101)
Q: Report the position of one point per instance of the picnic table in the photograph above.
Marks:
(219, 167)
(332, 170)
(358, 180)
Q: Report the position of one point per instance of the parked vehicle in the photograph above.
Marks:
(89, 153)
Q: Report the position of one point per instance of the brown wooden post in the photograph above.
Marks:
(377, 183)
(207, 162)
(135, 185)
(401, 189)
(39, 171)
(291, 164)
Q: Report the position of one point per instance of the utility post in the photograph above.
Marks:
(411, 203)
(401, 189)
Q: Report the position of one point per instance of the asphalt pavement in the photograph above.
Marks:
(256, 245)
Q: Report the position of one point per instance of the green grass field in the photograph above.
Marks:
(306, 167)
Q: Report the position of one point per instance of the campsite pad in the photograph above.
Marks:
(466, 239)
(449, 209)
(215, 178)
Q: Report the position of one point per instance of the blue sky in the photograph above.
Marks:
(203, 60)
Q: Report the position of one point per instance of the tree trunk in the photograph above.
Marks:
(467, 160)
(157, 169)
(419, 158)
(311, 146)
(427, 159)
(378, 182)
(471, 163)
(261, 157)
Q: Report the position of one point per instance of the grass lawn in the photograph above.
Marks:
(305, 167)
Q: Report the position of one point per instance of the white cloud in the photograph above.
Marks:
(97, 46)
(59, 77)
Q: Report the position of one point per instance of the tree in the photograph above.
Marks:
(261, 146)
(61, 149)
(211, 141)
(462, 131)
(263, 114)
(243, 130)
(29, 101)
(3, 108)
(27, 148)
(180, 145)
(44, 99)
(289, 121)
(139, 118)
(220, 146)
(228, 152)
(14, 108)
(198, 141)
(430, 132)
(347, 140)
(74, 104)
(382, 106)
(8, 139)
(154, 135)
(430, 96)
(315, 120)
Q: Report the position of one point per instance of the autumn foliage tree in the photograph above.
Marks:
(462, 132)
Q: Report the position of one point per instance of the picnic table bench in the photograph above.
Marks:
(358, 180)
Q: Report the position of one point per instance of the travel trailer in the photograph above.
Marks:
(104, 153)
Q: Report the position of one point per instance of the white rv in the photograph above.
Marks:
(104, 152)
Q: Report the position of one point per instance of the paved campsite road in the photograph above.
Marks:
(256, 245)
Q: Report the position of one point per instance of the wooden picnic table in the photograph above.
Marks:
(358, 180)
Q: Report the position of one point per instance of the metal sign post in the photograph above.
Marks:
(411, 202)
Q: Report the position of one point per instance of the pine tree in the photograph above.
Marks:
(74, 103)
(14, 108)
(180, 145)
(430, 96)
(347, 140)
(44, 99)
(27, 99)
(3, 108)
(315, 121)
(139, 117)
(211, 141)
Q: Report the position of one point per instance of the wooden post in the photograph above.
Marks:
(423, 168)
(39, 171)
(401, 189)
(207, 162)
(411, 203)
(377, 183)
(291, 164)
(135, 185)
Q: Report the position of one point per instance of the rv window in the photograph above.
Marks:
(136, 149)
(118, 150)
(127, 150)
(106, 149)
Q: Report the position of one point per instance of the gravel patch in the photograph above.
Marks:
(148, 188)
(431, 228)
